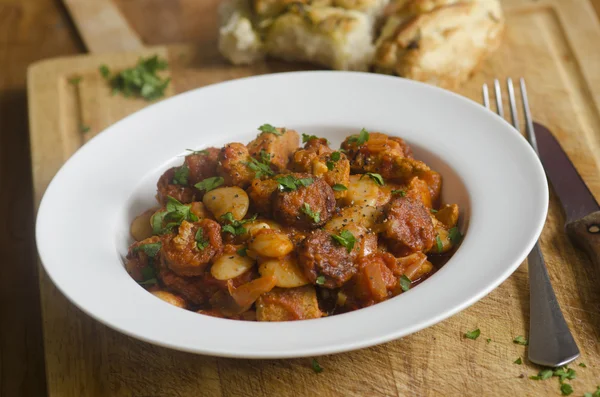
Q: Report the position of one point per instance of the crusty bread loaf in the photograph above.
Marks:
(329, 36)
(239, 42)
(438, 41)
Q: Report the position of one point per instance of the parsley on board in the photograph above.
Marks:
(518, 361)
(338, 187)
(405, 283)
(438, 241)
(545, 374)
(566, 389)
(201, 242)
(235, 227)
(520, 340)
(320, 280)
(141, 80)
(75, 80)
(316, 367)
(594, 394)
(345, 239)
(290, 183)
(315, 216)
(269, 129)
(488, 340)
(84, 128)
(181, 175)
(378, 179)
(261, 168)
(209, 184)
(473, 334)
(401, 192)
(582, 365)
(565, 373)
(359, 139)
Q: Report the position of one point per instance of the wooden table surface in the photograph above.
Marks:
(31, 30)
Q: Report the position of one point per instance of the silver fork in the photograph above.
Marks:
(550, 341)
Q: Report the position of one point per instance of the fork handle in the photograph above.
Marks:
(550, 340)
(585, 233)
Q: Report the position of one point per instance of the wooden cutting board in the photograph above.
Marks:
(553, 44)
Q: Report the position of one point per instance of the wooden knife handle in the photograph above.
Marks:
(585, 233)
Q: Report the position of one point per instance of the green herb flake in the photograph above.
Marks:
(545, 374)
(192, 152)
(261, 167)
(401, 192)
(488, 340)
(242, 252)
(335, 156)
(345, 239)
(181, 175)
(290, 183)
(269, 129)
(454, 235)
(209, 184)
(582, 365)
(359, 139)
(405, 283)
(473, 334)
(565, 373)
(338, 187)
(438, 241)
(520, 340)
(175, 213)
(148, 276)
(316, 366)
(74, 81)
(433, 211)
(330, 165)
(594, 394)
(518, 361)
(378, 179)
(306, 137)
(320, 280)
(150, 249)
(201, 242)
(150, 281)
(140, 81)
(235, 227)
(84, 128)
(315, 216)
(566, 389)
(532, 377)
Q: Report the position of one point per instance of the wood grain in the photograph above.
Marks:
(552, 44)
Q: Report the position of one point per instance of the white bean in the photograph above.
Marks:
(141, 228)
(271, 243)
(285, 270)
(229, 266)
(227, 199)
(362, 215)
(170, 298)
(362, 190)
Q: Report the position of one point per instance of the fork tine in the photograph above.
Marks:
(528, 121)
(513, 104)
(486, 96)
(498, 92)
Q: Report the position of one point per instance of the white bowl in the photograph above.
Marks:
(488, 168)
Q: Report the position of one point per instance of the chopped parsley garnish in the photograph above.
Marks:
(315, 216)
(197, 152)
(566, 389)
(209, 184)
(150, 249)
(432, 210)
(316, 367)
(269, 129)
(262, 167)
(401, 192)
(181, 175)
(488, 340)
(235, 227)
(338, 187)
(333, 158)
(290, 183)
(175, 213)
(595, 394)
(518, 361)
(545, 374)
(141, 80)
(320, 280)
(345, 239)
(439, 244)
(405, 283)
(148, 275)
(306, 137)
(520, 340)
(75, 80)
(473, 334)
(582, 365)
(454, 235)
(378, 179)
(359, 139)
(84, 128)
(242, 251)
(565, 373)
(201, 242)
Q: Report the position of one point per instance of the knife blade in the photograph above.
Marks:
(581, 208)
